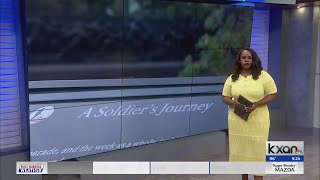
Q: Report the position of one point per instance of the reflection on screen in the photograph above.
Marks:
(113, 39)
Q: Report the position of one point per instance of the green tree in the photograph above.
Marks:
(227, 30)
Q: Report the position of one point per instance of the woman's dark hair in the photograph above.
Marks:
(255, 67)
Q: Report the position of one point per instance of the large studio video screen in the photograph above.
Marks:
(112, 39)
(130, 40)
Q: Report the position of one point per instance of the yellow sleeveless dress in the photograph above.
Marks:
(247, 139)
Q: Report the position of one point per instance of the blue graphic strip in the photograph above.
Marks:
(285, 158)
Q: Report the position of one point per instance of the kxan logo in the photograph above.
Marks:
(285, 148)
(40, 114)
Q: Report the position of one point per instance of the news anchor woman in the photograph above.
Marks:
(247, 139)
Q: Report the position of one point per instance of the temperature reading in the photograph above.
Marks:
(296, 158)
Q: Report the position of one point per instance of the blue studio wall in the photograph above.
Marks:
(14, 127)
